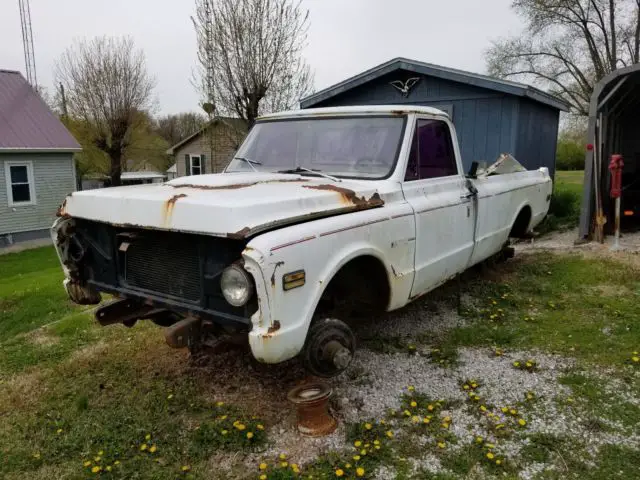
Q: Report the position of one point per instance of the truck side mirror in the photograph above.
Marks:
(473, 170)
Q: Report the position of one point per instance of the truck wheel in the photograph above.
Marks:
(329, 348)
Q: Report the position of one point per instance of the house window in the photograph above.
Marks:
(432, 154)
(195, 166)
(20, 185)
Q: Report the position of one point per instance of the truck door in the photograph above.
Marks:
(444, 210)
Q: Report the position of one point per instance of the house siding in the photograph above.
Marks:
(226, 143)
(54, 179)
(485, 120)
(537, 135)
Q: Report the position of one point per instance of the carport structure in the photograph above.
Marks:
(614, 128)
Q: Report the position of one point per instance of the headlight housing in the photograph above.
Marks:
(236, 285)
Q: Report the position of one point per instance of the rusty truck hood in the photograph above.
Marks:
(236, 205)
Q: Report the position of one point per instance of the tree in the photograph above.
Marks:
(250, 56)
(569, 45)
(176, 127)
(107, 87)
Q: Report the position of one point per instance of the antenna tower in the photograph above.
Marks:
(27, 42)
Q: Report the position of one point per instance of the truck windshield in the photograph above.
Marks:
(360, 147)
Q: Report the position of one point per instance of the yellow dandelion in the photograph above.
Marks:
(153, 449)
(295, 469)
(357, 443)
(504, 409)
(441, 445)
(445, 425)
(430, 408)
(426, 420)
(240, 426)
(87, 463)
(635, 359)
(36, 455)
(522, 422)
(490, 456)
(186, 468)
(96, 469)
(483, 408)
(360, 472)
(414, 404)
(465, 387)
(447, 419)
(249, 435)
(219, 404)
(478, 439)
(376, 442)
(498, 462)
(263, 477)
(97, 459)
(356, 458)
(143, 447)
(117, 462)
(284, 464)
(260, 426)
(411, 388)
(368, 426)
(377, 447)
(363, 452)
(282, 456)
(474, 385)
(224, 432)
(223, 417)
(513, 411)
(59, 431)
(407, 413)
(147, 437)
(389, 434)
(108, 468)
(347, 465)
(415, 419)
(339, 472)
(262, 466)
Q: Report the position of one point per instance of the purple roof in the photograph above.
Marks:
(25, 119)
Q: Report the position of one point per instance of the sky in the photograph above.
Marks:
(345, 36)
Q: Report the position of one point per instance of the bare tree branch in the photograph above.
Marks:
(250, 55)
(569, 45)
(107, 87)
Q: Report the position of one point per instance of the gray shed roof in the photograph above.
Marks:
(26, 122)
(446, 73)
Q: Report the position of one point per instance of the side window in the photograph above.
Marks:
(432, 153)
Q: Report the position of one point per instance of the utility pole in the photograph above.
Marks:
(63, 99)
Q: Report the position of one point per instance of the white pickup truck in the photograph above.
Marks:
(322, 214)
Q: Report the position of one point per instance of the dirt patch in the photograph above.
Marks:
(42, 338)
(610, 290)
(21, 392)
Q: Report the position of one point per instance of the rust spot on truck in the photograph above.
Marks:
(273, 275)
(349, 197)
(169, 206)
(240, 234)
(236, 186)
(274, 327)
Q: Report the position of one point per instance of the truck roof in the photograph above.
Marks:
(355, 110)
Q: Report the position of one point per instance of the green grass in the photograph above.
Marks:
(31, 292)
(564, 209)
(560, 303)
(71, 389)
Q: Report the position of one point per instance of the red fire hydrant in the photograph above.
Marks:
(615, 167)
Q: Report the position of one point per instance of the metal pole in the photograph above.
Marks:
(616, 241)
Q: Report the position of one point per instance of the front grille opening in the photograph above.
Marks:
(162, 263)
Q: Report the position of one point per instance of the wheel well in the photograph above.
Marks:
(360, 286)
(521, 225)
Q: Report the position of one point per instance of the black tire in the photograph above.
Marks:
(320, 334)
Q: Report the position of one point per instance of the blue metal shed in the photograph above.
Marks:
(491, 116)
